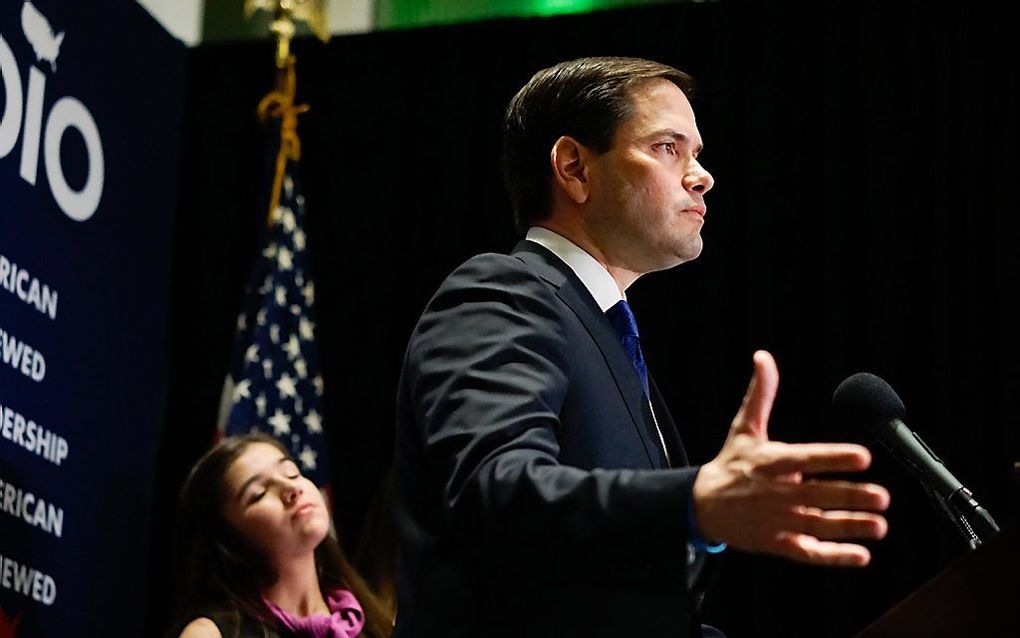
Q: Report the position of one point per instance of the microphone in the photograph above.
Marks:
(866, 400)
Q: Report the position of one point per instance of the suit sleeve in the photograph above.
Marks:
(487, 370)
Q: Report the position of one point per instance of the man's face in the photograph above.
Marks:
(646, 205)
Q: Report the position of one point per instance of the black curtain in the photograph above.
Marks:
(863, 218)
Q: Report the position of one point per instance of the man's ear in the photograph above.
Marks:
(568, 158)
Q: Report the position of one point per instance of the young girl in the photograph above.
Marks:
(257, 556)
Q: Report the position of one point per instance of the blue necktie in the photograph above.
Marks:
(622, 320)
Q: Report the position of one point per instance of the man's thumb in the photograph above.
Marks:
(753, 417)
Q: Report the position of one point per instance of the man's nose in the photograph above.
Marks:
(698, 179)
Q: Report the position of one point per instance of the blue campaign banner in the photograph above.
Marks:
(91, 101)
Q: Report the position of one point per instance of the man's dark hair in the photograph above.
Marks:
(586, 99)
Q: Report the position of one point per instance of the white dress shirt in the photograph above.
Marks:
(592, 274)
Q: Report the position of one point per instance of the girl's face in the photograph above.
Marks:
(276, 509)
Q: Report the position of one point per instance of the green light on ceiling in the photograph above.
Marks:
(557, 7)
(417, 13)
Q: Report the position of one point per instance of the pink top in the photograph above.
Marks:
(346, 620)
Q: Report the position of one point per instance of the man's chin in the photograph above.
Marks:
(689, 251)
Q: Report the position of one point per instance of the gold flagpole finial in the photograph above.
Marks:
(285, 13)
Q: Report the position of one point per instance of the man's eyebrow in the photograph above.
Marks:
(257, 476)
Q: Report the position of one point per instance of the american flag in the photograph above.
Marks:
(274, 384)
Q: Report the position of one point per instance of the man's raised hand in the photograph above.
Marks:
(759, 495)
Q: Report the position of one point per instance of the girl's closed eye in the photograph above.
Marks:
(291, 470)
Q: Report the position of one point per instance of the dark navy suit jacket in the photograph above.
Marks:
(532, 494)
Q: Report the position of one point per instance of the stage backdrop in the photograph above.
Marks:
(864, 217)
(89, 149)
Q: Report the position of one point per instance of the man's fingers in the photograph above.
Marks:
(812, 458)
(837, 524)
(834, 495)
(808, 549)
(753, 416)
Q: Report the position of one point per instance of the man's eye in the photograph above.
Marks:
(297, 475)
(669, 147)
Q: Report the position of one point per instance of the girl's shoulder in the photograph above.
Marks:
(202, 628)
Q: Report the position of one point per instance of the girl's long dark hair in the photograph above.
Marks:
(218, 573)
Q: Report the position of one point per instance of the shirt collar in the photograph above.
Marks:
(592, 274)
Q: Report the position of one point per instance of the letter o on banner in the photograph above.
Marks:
(68, 112)
(10, 121)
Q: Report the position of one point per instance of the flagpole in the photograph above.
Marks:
(279, 103)
(273, 384)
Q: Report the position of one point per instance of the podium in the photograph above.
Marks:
(976, 595)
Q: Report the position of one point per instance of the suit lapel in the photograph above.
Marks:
(577, 297)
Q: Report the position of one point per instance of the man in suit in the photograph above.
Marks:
(542, 487)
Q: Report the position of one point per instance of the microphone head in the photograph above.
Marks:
(865, 400)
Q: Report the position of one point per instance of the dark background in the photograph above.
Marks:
(864, 218)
